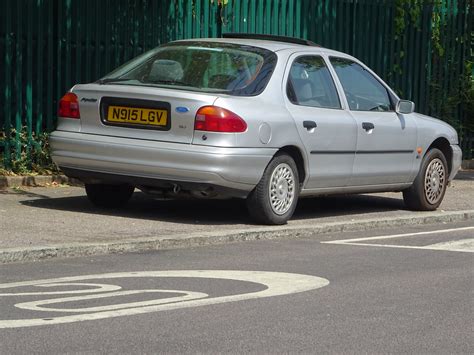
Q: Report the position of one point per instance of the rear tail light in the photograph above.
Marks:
(69, 106)
(218, 119)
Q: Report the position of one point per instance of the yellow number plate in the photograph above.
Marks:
(141, 116)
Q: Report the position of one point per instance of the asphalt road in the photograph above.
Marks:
(399, 294)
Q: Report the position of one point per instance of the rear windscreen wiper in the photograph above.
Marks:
(112, 80)
(170, 82)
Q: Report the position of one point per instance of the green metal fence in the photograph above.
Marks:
(421, 48)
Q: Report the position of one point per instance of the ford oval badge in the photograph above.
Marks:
(181, 109)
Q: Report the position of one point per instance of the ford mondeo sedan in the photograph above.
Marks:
(265, 118)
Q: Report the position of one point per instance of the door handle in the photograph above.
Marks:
(309, 125)
(368, 126)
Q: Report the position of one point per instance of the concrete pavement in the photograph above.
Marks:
(45, 222)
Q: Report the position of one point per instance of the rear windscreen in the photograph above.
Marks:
(200, 66)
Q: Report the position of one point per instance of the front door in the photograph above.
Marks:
(386, 141)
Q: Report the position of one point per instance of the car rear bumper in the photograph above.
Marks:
(457, 161)
(83, 155)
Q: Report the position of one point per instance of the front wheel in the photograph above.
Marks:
(427, 191)
(274, 199)
(109, 196)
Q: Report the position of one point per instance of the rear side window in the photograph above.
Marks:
(310, 83)
(363, 91)
(201, 66)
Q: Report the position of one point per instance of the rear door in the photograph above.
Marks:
(327, 130)
(386, 141)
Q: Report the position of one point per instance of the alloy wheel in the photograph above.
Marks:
(435, 178)
(282, 189)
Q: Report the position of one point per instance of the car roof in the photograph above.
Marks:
(273, 46)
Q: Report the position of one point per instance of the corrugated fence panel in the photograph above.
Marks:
(46, 46)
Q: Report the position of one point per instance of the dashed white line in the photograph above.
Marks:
(463, 245)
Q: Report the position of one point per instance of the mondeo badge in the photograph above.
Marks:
(85, 99)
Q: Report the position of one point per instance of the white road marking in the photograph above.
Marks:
(463, 245)
(98, 288)
(343, 241)
(36, 305)
(276, 283)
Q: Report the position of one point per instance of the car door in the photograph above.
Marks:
(386, 141)
(327, 131)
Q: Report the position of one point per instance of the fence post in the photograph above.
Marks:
(7, 87)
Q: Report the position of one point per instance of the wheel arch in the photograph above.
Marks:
(444, 146)
(297, 155)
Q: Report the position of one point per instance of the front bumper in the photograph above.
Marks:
(237, 169)
(456, 162)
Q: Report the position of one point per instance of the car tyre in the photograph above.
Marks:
(108, 195)
(429, 187)
(274, 199)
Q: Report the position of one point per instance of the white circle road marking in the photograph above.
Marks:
(277, 284)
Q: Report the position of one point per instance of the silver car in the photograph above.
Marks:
(265, 118)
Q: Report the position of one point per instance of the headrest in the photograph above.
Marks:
(303, 89)
(166, 70)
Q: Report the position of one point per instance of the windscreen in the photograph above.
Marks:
(200, 66)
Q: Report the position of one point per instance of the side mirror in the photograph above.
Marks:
(405, 107)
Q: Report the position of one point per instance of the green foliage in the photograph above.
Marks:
(29, 155)
(399, 20)
(449, 72)
(467, 97)
(436, 26)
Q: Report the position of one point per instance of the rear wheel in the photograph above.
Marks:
(274, 199)
(107, 195)
(427, 191)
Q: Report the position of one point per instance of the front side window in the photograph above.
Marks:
(310, 84)
(200, 66)
(363, 91)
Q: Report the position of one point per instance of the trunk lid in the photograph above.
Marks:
(135, 111)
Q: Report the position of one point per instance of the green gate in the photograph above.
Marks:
(421, 48)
